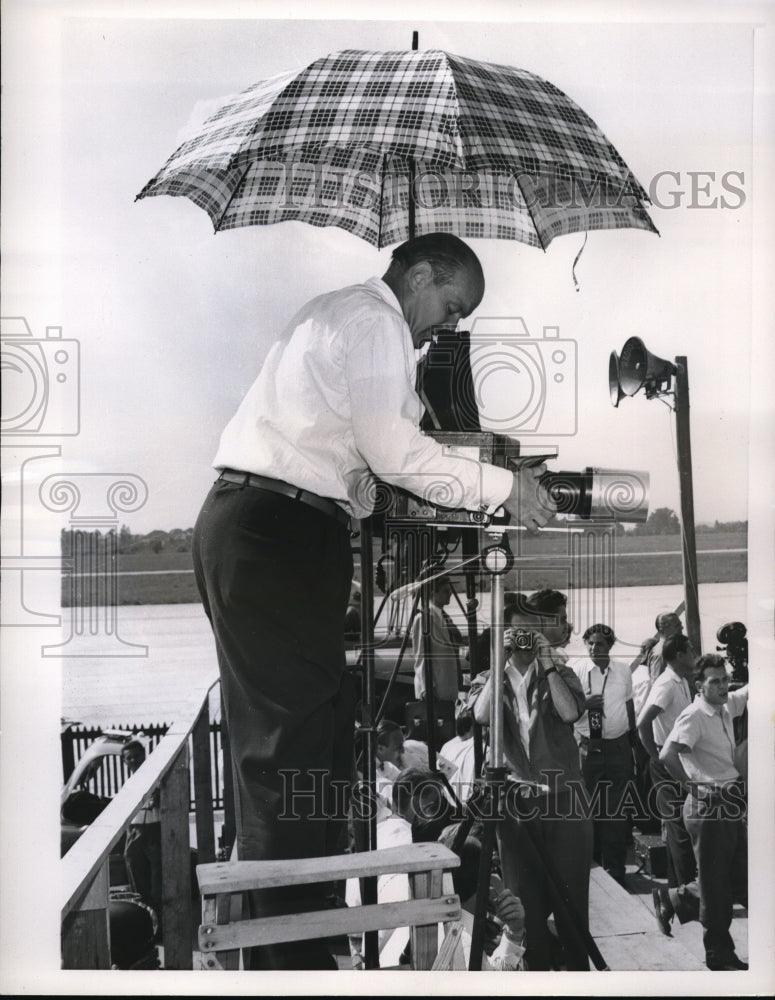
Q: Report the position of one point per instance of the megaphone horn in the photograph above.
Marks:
(614, 387)
(638, 367)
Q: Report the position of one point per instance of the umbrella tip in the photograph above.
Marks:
(415, 40)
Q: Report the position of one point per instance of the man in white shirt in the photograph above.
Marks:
(605, 737)
(333, 408)
(700, 752)
(444, 645)
(669, 696)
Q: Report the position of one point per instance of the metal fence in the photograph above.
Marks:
(112, 772)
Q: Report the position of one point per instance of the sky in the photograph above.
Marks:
(174, 321)
(170, 323)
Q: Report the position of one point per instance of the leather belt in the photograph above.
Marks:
(287, 490)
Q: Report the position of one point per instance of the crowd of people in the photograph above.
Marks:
(577, 734)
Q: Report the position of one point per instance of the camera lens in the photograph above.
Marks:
(523, 640)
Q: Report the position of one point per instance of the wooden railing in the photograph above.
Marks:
(85, 868)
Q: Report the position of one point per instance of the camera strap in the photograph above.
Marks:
(595, 715)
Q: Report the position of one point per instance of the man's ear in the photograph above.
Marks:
(420, 275)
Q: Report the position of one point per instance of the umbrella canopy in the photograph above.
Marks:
(392, 144)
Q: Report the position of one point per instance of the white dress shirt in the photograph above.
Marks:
(708, 732)
(671, 693)
(335, 404)
(519, 685)
(615, 685)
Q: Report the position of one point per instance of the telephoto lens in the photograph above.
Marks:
(599, 494)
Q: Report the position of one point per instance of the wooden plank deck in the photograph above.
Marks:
(626, 931)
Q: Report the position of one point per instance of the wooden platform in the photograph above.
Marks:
(626, 932)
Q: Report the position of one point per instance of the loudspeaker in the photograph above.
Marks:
(635, 368)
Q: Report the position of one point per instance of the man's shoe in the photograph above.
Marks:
(729, 963)
(663, 910)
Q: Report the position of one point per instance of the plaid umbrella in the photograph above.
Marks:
(392, 144)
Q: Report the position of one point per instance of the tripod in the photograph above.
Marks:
(497, 560)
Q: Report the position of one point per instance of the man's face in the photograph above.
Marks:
(393, 750)
(522, 648)
(556, 627)
(133, 758)
(443, 594)
(714, 686)
(684, 663)
(599, 649)
(427, 305)
(669, 625)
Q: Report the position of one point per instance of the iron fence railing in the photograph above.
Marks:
(109, 778)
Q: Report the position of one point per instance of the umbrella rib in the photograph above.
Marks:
(226, 207)
(532, 217)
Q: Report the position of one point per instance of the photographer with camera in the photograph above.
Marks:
(333, 409)
(605, 734)
(542, 699)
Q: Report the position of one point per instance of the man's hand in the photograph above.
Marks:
(529, 503)
(508, 908)
(595, 701)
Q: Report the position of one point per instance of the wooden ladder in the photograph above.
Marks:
(223, 931)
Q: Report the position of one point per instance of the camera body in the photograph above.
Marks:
(41, 388)
(501, 380)
(732, 636)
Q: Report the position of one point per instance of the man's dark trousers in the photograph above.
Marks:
(720, 841)
(567, 838)
(609, 764)
(274, 575)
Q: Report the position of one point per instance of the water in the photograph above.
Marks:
(110, 690)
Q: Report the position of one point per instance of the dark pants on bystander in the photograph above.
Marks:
(274, 575)
(608, 765)
(720, 841)
(568, 843)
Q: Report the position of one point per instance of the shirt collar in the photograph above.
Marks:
(707, 708)
(385, 292)
(519, 678)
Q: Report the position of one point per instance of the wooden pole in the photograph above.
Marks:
(368, 700)
(203, 787)
(177, 923)
(688, 543)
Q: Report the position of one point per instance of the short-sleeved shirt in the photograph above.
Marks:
(671, 693)
(615, 684)
(708, 732)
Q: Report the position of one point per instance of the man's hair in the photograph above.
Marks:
(547, 602)
(464, 721)
(385, 729)
(661, 615)
(673, 646)
(133, 745)
(707, 662)
(410, 781)
(444, 252)
(605, 630)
